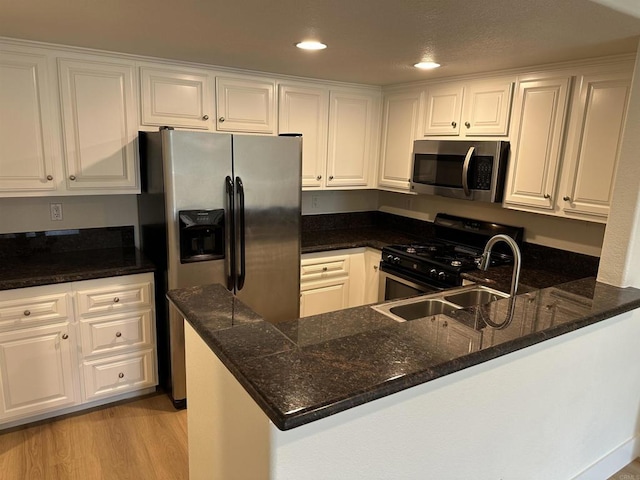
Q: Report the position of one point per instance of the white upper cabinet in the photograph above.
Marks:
(353, 128)
(176, 98)
(538, 126)
(305, 110)
(443, 109)
(100, 125)
(597, 122)
(475, 108)
(246, 104)
(399, 130)
(27, 130)
(486, 108)
(339, 133)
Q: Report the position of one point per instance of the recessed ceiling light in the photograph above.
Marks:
(311, 45)
(427, 65)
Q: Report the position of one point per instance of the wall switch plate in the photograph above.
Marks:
(56, 211)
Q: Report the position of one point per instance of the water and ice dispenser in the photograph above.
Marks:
(201, 235)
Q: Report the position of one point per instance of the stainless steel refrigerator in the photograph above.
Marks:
(219, 208)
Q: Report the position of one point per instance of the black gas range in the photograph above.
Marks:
(437, 263)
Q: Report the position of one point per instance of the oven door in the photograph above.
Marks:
(396, 285)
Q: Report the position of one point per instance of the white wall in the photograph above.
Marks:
(621, 248)
(574, 235)
(565, 408)
(33, 214)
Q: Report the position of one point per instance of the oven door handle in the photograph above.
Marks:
(465, 171)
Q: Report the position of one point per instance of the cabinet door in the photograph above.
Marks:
(177, 99)
(305, 110)
(323, 297)
(399, 130)
(100, 126)
(351, 136)
(372, 275)
(594, 144)
(539, 119)
(36, 370)
(486, 108)
(26, 133)
(245, 105)
(443, 109)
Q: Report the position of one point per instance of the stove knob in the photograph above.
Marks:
(433, 272)
(442, 276)
(396, 260)
(390, 258)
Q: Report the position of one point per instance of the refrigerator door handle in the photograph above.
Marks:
(230, 264)
(241, 233)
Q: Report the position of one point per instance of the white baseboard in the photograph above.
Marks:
(612, 461)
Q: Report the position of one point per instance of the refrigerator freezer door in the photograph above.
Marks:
(269, 171)
(196, 165)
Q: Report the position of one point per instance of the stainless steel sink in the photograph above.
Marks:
(423, 308)
(475, 296)
(445, 302)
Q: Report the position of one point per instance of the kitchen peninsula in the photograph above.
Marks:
(355, 394)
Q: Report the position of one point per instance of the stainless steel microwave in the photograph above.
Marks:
(460, 169)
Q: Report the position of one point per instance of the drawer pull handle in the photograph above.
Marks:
(324, 269)
(116, 300)
(121, 375)
(65, 336)
(118, 334)
(27, 313)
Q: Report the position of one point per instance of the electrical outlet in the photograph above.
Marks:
(315, 202)
(56, 211)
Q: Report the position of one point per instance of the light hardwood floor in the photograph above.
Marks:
(140, 439)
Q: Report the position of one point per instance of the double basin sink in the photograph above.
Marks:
(444, 302)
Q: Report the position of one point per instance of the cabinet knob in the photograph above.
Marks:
(324, 269)
(221, 119)
(319, 177)
(375, 268)
(116, 300)
(65, 336)
(467, 124)
(118, 334)
(205, 117)
(566, 198)
(445, 324)
(121, 375)
(72, 177)
(330, 177)
(49, 177)
(26, 313)
(547, 196)
(454, 124)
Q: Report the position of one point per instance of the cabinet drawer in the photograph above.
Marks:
(112, 299)
(115, 333)
(119, 374)
(315, 269)
(33, 310)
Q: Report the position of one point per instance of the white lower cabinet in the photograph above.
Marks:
(331, 281)
(53, 362)
(37, 370)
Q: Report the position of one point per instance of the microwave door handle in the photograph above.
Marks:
(465, 171)
(230, 252)
(241, 234)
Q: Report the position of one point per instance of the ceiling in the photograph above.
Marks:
(370, 41)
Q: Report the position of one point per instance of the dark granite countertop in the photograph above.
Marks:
(42, 258)
(338, 239)
(309, 368)
(45, 269)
